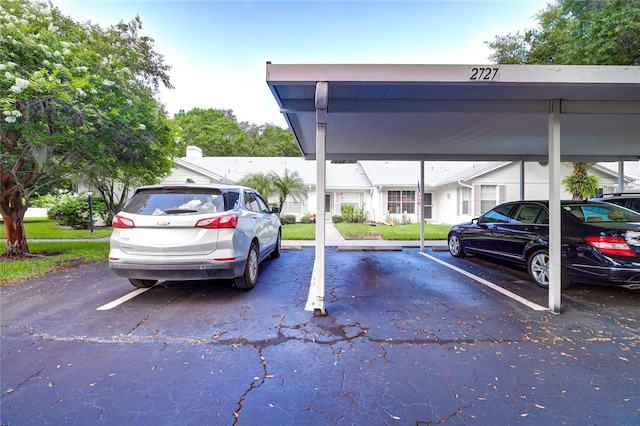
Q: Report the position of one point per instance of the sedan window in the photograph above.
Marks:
(499, 214)
(526, 213)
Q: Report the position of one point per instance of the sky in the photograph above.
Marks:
(218, 50)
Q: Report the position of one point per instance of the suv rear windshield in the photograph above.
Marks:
(166, 201)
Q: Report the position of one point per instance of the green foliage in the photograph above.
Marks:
(581, 186)
(76, 100)
(49, 200)
(261, 182)
(267, 184)
(409, 232)
(348, 212)
(46, 229)
(218, 134)
(299, 231)
(337, 218)
(308, 218)
(74, 211)
(287, 219)
(57, 255)
(352, 215)
(288, 185)
(576, 32)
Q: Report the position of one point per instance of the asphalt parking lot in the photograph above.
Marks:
(407, 340)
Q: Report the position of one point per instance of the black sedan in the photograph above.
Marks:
(600, 241)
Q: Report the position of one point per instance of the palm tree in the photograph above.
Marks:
(288, 185)
(580, 183)
(261, 182)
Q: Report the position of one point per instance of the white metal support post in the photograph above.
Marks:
(421, 205)
(620, 176)
(522, 195)
(555, 230)
(315, 299)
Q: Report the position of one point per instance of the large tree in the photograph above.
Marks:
(214, 131)
(74, 99)
(576, 32)
(218, 134)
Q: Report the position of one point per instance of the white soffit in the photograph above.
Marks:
(462, 112)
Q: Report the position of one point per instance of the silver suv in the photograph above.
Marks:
(193, 232)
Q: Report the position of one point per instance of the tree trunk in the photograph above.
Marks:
(14, 225)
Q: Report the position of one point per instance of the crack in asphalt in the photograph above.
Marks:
(255, 383)
(450, 416)
(11, 390)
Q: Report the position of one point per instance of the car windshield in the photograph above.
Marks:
(164, 201)
(601, 212)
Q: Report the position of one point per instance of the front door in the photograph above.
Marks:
(327, 206)
(427, 205)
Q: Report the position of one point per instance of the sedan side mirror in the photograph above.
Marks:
(275, 210)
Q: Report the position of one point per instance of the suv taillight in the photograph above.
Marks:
(122, 222)
(615, 246)
(218, 222)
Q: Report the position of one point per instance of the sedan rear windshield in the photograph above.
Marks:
(167, 201)
(602, 212)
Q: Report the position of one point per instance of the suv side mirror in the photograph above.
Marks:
(275, 210)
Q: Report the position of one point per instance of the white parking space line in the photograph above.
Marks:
(489, 284)
(123, 299)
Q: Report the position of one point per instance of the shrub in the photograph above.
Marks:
(337, 219)
(348, 212)
(49, 200)
(287, 219)
(74, 211)
(308, 218)
(360, 215)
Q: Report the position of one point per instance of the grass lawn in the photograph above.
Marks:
(299, 231)
(55, 255)
(356, 231)
(46, 229)
(60, 254)
(410, 232)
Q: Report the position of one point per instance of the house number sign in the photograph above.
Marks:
(484, 73)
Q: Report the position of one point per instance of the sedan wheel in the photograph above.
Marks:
(455, 245)
(248, 279)
(142, 283)
(538, 267)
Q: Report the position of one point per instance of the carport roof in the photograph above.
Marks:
(438, 112)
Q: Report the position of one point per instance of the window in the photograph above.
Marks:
(251, 202)
(350, 199)
(487, 197)
(399, 202)
(464, 201)
(292, 207)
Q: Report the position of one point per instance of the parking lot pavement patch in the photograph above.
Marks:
(407, 341)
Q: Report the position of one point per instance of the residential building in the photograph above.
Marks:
(454, 191)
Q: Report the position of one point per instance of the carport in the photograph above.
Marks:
(544, 113)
